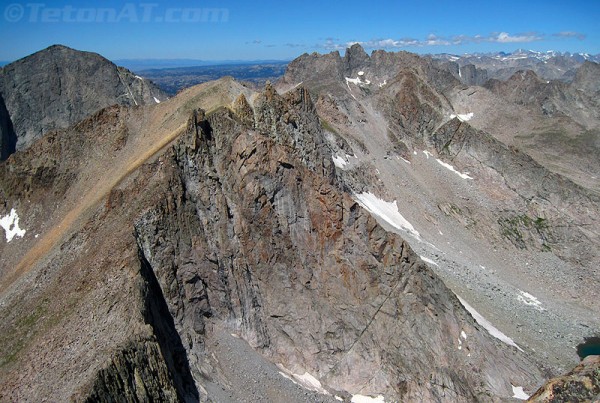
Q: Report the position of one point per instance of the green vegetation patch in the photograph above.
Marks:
(523, 231)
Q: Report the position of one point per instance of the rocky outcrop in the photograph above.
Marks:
(254, 232)
(243, 110)
(411, 125)
(326, 74)
(587, 78)
(414, 108)
(471, 75)
(582, 384)
(58, 86)
(136, 374)
(291, 120)
(152, 369)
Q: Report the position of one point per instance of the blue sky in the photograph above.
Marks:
(269, 29)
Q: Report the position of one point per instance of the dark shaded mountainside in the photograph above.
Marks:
(57, 87)
(152, 246)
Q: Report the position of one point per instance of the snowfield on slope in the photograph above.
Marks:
(305, 380)
(487, 325)
(367, 399)
(530, 300)
(463, 117)
(387, 211)
(451, 168)
(519, 393)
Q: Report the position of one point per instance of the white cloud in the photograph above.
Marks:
(434, 40)
(504, 37)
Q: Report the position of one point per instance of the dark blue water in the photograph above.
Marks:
(590, 346)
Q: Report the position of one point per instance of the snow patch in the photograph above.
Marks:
(427, 154)
(156, 100)
(519, 393)
(451, 168)
(367, 399)
(310, 382)
(295, 86)
(492, 330)
(361, 73)
(387, 211)
(356, 81)
(338, 398)
(462, 117)
(463, 334)
(10, 223)
(305, 380)
(383, 83)
(530, 300)
(459, 73)
(139, 78)
(430, 261)
(339, 162)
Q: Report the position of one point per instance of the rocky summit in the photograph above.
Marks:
(369, 228)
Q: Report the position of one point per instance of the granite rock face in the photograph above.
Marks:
(582, 384)
(471, 75)
(59, 86)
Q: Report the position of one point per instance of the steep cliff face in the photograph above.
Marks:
(58, 86)
(251, 234)
(471, 75)
(148, 369)
(8, 139)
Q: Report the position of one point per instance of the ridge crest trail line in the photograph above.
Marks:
(92, 198)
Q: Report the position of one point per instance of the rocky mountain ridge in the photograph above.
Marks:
(400, 129)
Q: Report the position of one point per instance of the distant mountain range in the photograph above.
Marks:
(522, 54)
(550, 65)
